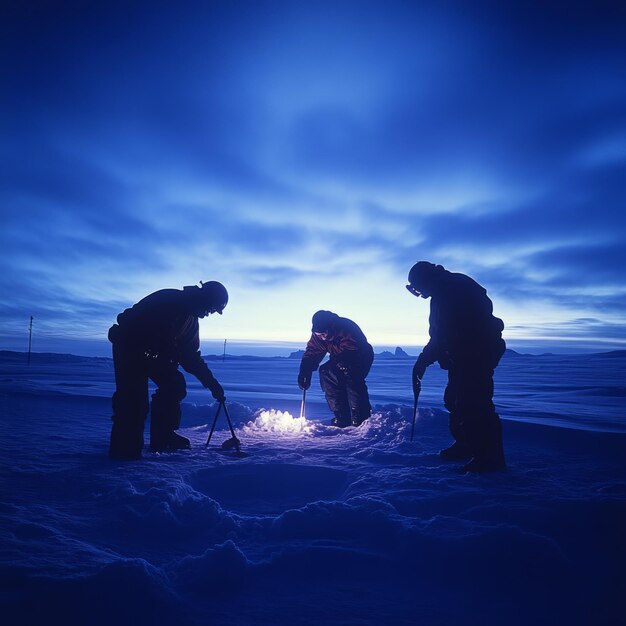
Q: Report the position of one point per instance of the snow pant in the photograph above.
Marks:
(345, 389)
(133, 370)
(468, 397)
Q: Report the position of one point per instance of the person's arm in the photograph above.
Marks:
(426, 358)
(195, 365)
(311, 359)
(192, 362)
(432, 350)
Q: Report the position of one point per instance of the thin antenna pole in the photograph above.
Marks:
(30, 337)
(224, 355)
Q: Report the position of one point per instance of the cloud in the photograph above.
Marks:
(311, 150)
(589, 334)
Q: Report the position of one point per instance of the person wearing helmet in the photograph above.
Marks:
(150, 341)
(466, 340)
(342, 377)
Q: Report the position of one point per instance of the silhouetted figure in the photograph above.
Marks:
(342, 377)
(150, 341)
(466, 339)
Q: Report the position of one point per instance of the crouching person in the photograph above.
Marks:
(150, 341)
(342, 377)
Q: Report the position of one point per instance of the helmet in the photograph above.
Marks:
(422, 276)
(420, 271)
(323, 321)
(214, 296)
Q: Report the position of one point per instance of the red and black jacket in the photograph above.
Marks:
(344, 341)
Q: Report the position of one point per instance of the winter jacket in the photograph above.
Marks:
(463, 328)
(345, 343)
(164, 325)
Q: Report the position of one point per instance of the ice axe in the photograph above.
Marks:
(303, 402)
(233, 442)
(417, 387)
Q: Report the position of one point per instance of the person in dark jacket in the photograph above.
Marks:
(150, 341)
(342, 377)
(465, 339)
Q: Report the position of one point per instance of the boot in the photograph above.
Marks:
(178, 442)
(126, 442)
(456, 452)
(487, 460)
(340, 420)
(478, 465)
(357, 420)
(488, 451)
(168, 441)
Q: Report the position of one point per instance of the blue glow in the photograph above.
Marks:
(306, 155)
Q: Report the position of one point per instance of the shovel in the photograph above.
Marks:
(233, 442)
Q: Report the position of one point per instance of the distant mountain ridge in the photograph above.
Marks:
(399, 353)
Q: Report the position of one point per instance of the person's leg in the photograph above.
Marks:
(357, 392)
(333, 385)
(130, 404)
(481, 423)
(460, 449)
(165, 412)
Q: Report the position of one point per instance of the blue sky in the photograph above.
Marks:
(306, 154)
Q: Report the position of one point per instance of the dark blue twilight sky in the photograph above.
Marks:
(306, 154)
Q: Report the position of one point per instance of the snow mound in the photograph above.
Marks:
(217, 569)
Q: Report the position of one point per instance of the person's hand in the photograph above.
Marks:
(304, 380)
(217, 391)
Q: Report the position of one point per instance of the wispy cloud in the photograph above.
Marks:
(308, 154)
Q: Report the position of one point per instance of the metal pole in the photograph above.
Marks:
(233, 441)
(232, 430)
(30, 337)
(302, 405)
(219, 408)
(224, 355)
(417, 387)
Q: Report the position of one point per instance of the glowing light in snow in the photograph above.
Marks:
(278, 422)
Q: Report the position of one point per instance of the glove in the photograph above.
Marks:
(418, 371)
(304, 380)
(217, 391)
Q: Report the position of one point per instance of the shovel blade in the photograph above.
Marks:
(233, 442)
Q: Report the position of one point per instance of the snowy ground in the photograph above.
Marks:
(316, 525)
